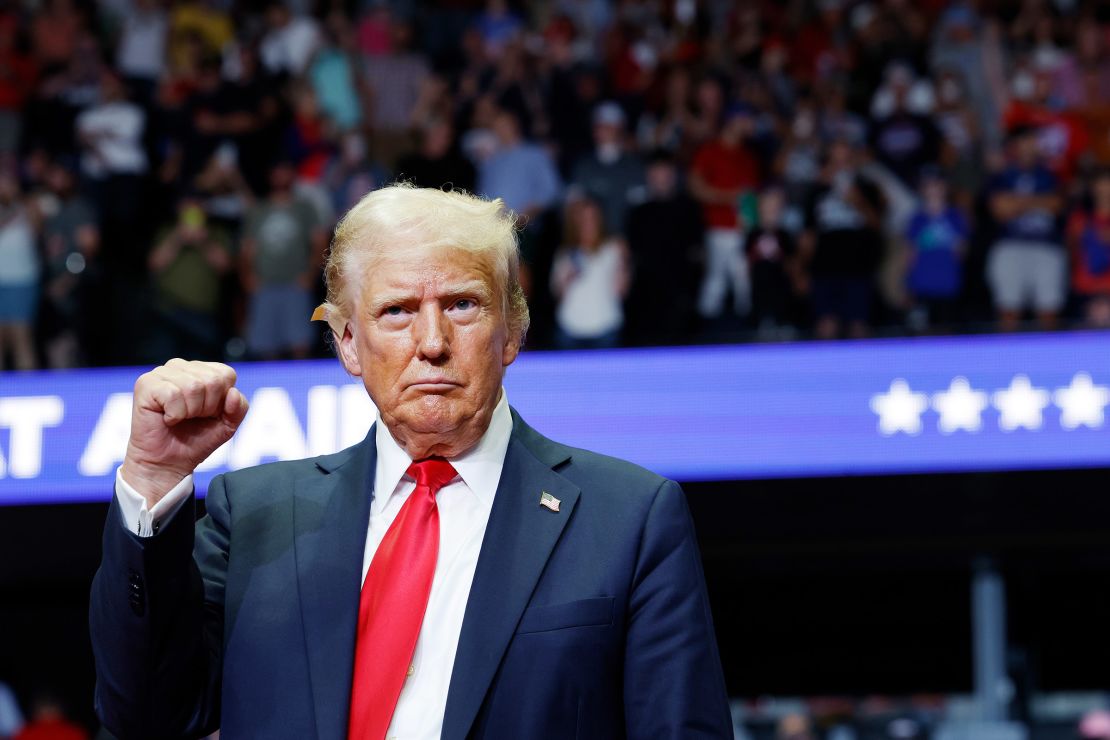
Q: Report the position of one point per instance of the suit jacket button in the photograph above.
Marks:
(137, 605)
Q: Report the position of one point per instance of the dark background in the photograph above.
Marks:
(846, 586)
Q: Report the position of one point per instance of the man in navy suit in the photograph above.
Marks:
(454, 575)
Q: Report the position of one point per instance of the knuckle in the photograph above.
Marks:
(192, 387)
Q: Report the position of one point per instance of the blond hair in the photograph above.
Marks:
(401, 213)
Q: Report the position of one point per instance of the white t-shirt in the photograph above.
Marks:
(19, 261)
(290, 48)
(591, 305)
(142, 44)
(117, 130)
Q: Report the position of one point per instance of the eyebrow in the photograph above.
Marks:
(470, 287)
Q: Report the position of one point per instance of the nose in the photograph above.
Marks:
(432, 330)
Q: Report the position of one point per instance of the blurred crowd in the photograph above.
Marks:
(683, 170)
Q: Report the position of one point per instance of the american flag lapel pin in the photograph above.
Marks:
(549, 501)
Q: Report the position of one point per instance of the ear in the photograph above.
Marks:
(348, 351)
(510, 351)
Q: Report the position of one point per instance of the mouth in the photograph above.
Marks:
(433, 385)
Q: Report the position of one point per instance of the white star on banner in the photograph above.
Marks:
(1020, 405)
(1082, 403)
(960, 407)
(899, 409)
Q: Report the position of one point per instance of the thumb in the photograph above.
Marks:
(235, 408)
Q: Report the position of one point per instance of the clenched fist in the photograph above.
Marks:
(182, 411)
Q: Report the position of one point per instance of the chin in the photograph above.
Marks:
(434, 414)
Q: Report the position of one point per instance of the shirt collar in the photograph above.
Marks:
(479, 467)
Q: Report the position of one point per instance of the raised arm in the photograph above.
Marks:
(156, 612)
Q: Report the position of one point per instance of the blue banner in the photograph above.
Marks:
(701, 413)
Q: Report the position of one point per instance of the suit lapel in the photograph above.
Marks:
(519, 539)
(331, 511)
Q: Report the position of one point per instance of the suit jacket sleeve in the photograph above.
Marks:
(673, 683)
(157, 624)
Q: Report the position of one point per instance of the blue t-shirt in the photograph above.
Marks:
(936, 239)
(1036, 225)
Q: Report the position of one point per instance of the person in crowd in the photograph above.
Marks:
(141, 48)
(1093, 112)
(1027, 264)
(351, 173)
(115, 164)
(798, 163)
(1088, 236)
(965, 39)
(207, 114)
(573, 89)
(114, 161)
(772, 257)
(19, 275)
(71, 268)
(795, 727)
(11, 718)
(1085, 74)
(243, 112)
(666, 127)
(610, 175)
(589, 279)
(499, 26)
(290, 40)
(198, 26)
(256, 115)
(936, 242)
(187, 265)
(519, 171)
(17, 84)
(904, 140)
(837, 120)
(222, 190)
(962, 149)
(665, 237)
(841, 246)
(524, 175)
(280, 255)
(48, 721)
(437, 162)
(1061, 135)
(56, 32)
(724, 177)
(310, 137)
(394, 80)
(336, 75)
(708, 109)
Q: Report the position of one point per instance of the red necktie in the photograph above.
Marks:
(394, 597)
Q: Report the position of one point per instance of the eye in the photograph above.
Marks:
(464, 304)
(393, 311)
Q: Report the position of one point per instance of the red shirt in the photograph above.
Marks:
(727, 168)
(17, 80)
(1062, 137)
(51, 729)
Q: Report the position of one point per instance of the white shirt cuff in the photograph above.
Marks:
(133, 507)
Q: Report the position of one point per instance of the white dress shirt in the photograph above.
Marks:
(464, 507)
